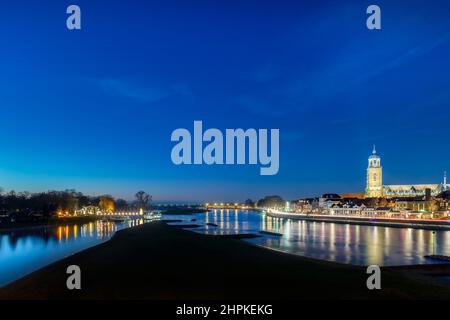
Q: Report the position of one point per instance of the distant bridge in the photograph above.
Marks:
(227, 206)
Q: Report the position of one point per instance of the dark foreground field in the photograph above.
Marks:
(156, 261)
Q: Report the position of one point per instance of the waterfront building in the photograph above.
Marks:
(307, 205)
(415, 204)
(444, 202)
(376, 189)
(347, 209)
(355, 195)
(377, 212)
(360, 210)
(328, 199)
(391, 191)
(419, 204)
(374, 178)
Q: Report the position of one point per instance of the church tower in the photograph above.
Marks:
(374, 182)
(445, 185)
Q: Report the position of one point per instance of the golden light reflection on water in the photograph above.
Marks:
(322, 230)
(420, 240)
(91, 229)
(97, 230)
(333, 243)
(347, 243)
(356, 244)
(287, 231)
(408, 242)
(47, 245)
(349, 236)
(313, 229)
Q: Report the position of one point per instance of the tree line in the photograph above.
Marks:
(68, 201)
(271, 202)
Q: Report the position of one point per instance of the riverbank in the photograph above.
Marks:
(384, 222)
(157, 261)
(6, 227)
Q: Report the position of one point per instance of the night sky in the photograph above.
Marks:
(94, 109)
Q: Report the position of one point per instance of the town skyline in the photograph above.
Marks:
(361, 191)
(224, 158)
(105, 127)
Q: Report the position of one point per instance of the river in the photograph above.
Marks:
(26, 250)
(344, 243)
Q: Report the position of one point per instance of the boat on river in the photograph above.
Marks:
(152, 215)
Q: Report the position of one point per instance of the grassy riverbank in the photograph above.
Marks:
(157, 261)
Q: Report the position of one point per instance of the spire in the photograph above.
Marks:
(445, 179)
(374, 151)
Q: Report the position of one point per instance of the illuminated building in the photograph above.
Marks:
(376, 189)
(374, 180)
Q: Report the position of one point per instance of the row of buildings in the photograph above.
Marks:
(393, 201)
(376, 189)
(428, 206)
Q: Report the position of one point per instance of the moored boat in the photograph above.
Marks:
(152, 215)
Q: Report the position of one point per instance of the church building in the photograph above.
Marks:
(376, 189)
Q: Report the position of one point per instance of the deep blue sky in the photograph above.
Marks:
(94, 109)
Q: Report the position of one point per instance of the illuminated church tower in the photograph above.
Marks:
(374, 185)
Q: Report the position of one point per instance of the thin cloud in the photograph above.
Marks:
(135, 92)
(410, 55)
(141, 93)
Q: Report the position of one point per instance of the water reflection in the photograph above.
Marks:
(26, 250)
(354, 244)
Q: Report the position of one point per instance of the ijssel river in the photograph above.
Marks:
(26, 250)
(345, 243)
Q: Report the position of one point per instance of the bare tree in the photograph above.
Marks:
(143, 198)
